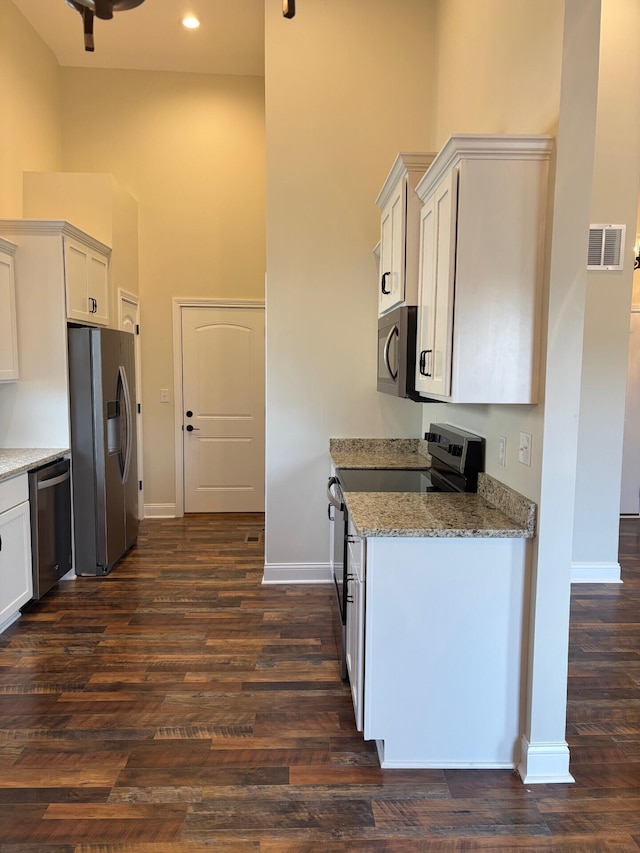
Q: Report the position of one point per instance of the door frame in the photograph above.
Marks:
(178, 303)
(124, 296)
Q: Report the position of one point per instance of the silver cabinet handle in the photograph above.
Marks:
(387, 347)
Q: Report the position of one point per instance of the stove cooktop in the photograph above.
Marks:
(385, 480)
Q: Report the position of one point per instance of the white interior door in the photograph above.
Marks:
(223, 408)
(129, 321)
(630, 488)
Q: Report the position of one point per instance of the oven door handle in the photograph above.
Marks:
(333, 500)
(385, 352)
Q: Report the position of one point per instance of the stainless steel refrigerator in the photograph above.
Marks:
(103, 447)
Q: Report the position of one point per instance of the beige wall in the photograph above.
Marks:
(498, 66)
(348, 85)
(190, 149)
(31, 125)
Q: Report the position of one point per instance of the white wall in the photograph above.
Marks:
(348, 85)
(604, 366)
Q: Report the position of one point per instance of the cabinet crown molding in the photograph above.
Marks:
(407, 162)
(7, 247)
(52, 227)
(481, 146)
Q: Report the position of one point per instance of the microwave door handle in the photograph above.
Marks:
(385, 352)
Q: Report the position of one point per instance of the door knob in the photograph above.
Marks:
(192, 428)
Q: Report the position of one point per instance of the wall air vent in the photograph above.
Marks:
(606, 247)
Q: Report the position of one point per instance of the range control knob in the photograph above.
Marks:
(455, 449)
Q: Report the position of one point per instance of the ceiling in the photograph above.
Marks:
(230, 39)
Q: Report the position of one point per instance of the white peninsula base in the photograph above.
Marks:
(445, 644)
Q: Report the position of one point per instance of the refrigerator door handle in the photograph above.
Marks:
(128, 424)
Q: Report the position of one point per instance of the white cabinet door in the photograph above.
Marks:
(354, 651)
(86, 283)
(392, 269)
(437, 269)
(98, 288)
(481, 269)
(8, 328)
(16, 580)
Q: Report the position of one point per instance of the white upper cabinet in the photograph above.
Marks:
(481, 265)
(399, 234)
(86, 283)
(8, 327)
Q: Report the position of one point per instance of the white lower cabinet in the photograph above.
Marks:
(354, 651)
(444, 640)
(16, 579)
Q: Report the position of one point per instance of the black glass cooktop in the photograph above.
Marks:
(385, 480)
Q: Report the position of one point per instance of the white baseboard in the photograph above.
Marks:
(544, 763)
(595, 573)
(297, 573)
(9, 621)
(160, 511)
(405, 764)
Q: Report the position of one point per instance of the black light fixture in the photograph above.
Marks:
(102, 9)
(288, 8)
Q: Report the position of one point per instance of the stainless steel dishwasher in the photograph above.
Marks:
(50, 504)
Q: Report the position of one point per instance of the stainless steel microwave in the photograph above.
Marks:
(397, 353)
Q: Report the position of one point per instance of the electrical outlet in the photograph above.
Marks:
(502, 450)
(524, 448)
(164, 395)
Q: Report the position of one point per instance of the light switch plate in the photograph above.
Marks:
(524, 448)
(164, 395)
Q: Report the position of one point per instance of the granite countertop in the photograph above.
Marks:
(21, 459)
(379, 453)
(495, 511)
(435, 514)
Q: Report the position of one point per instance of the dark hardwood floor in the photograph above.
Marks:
(178, 706)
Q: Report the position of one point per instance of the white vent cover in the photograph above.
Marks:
(606, 247)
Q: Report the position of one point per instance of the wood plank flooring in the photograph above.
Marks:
(178, 706)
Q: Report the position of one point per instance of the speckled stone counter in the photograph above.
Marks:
(496, 511)
(435, 514)
(16, 461)
(379, 453)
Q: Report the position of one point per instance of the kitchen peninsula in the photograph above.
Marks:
(437, 623)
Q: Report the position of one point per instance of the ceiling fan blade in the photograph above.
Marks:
(102, 9)
(87, 20)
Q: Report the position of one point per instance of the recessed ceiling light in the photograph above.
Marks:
(190, 23)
